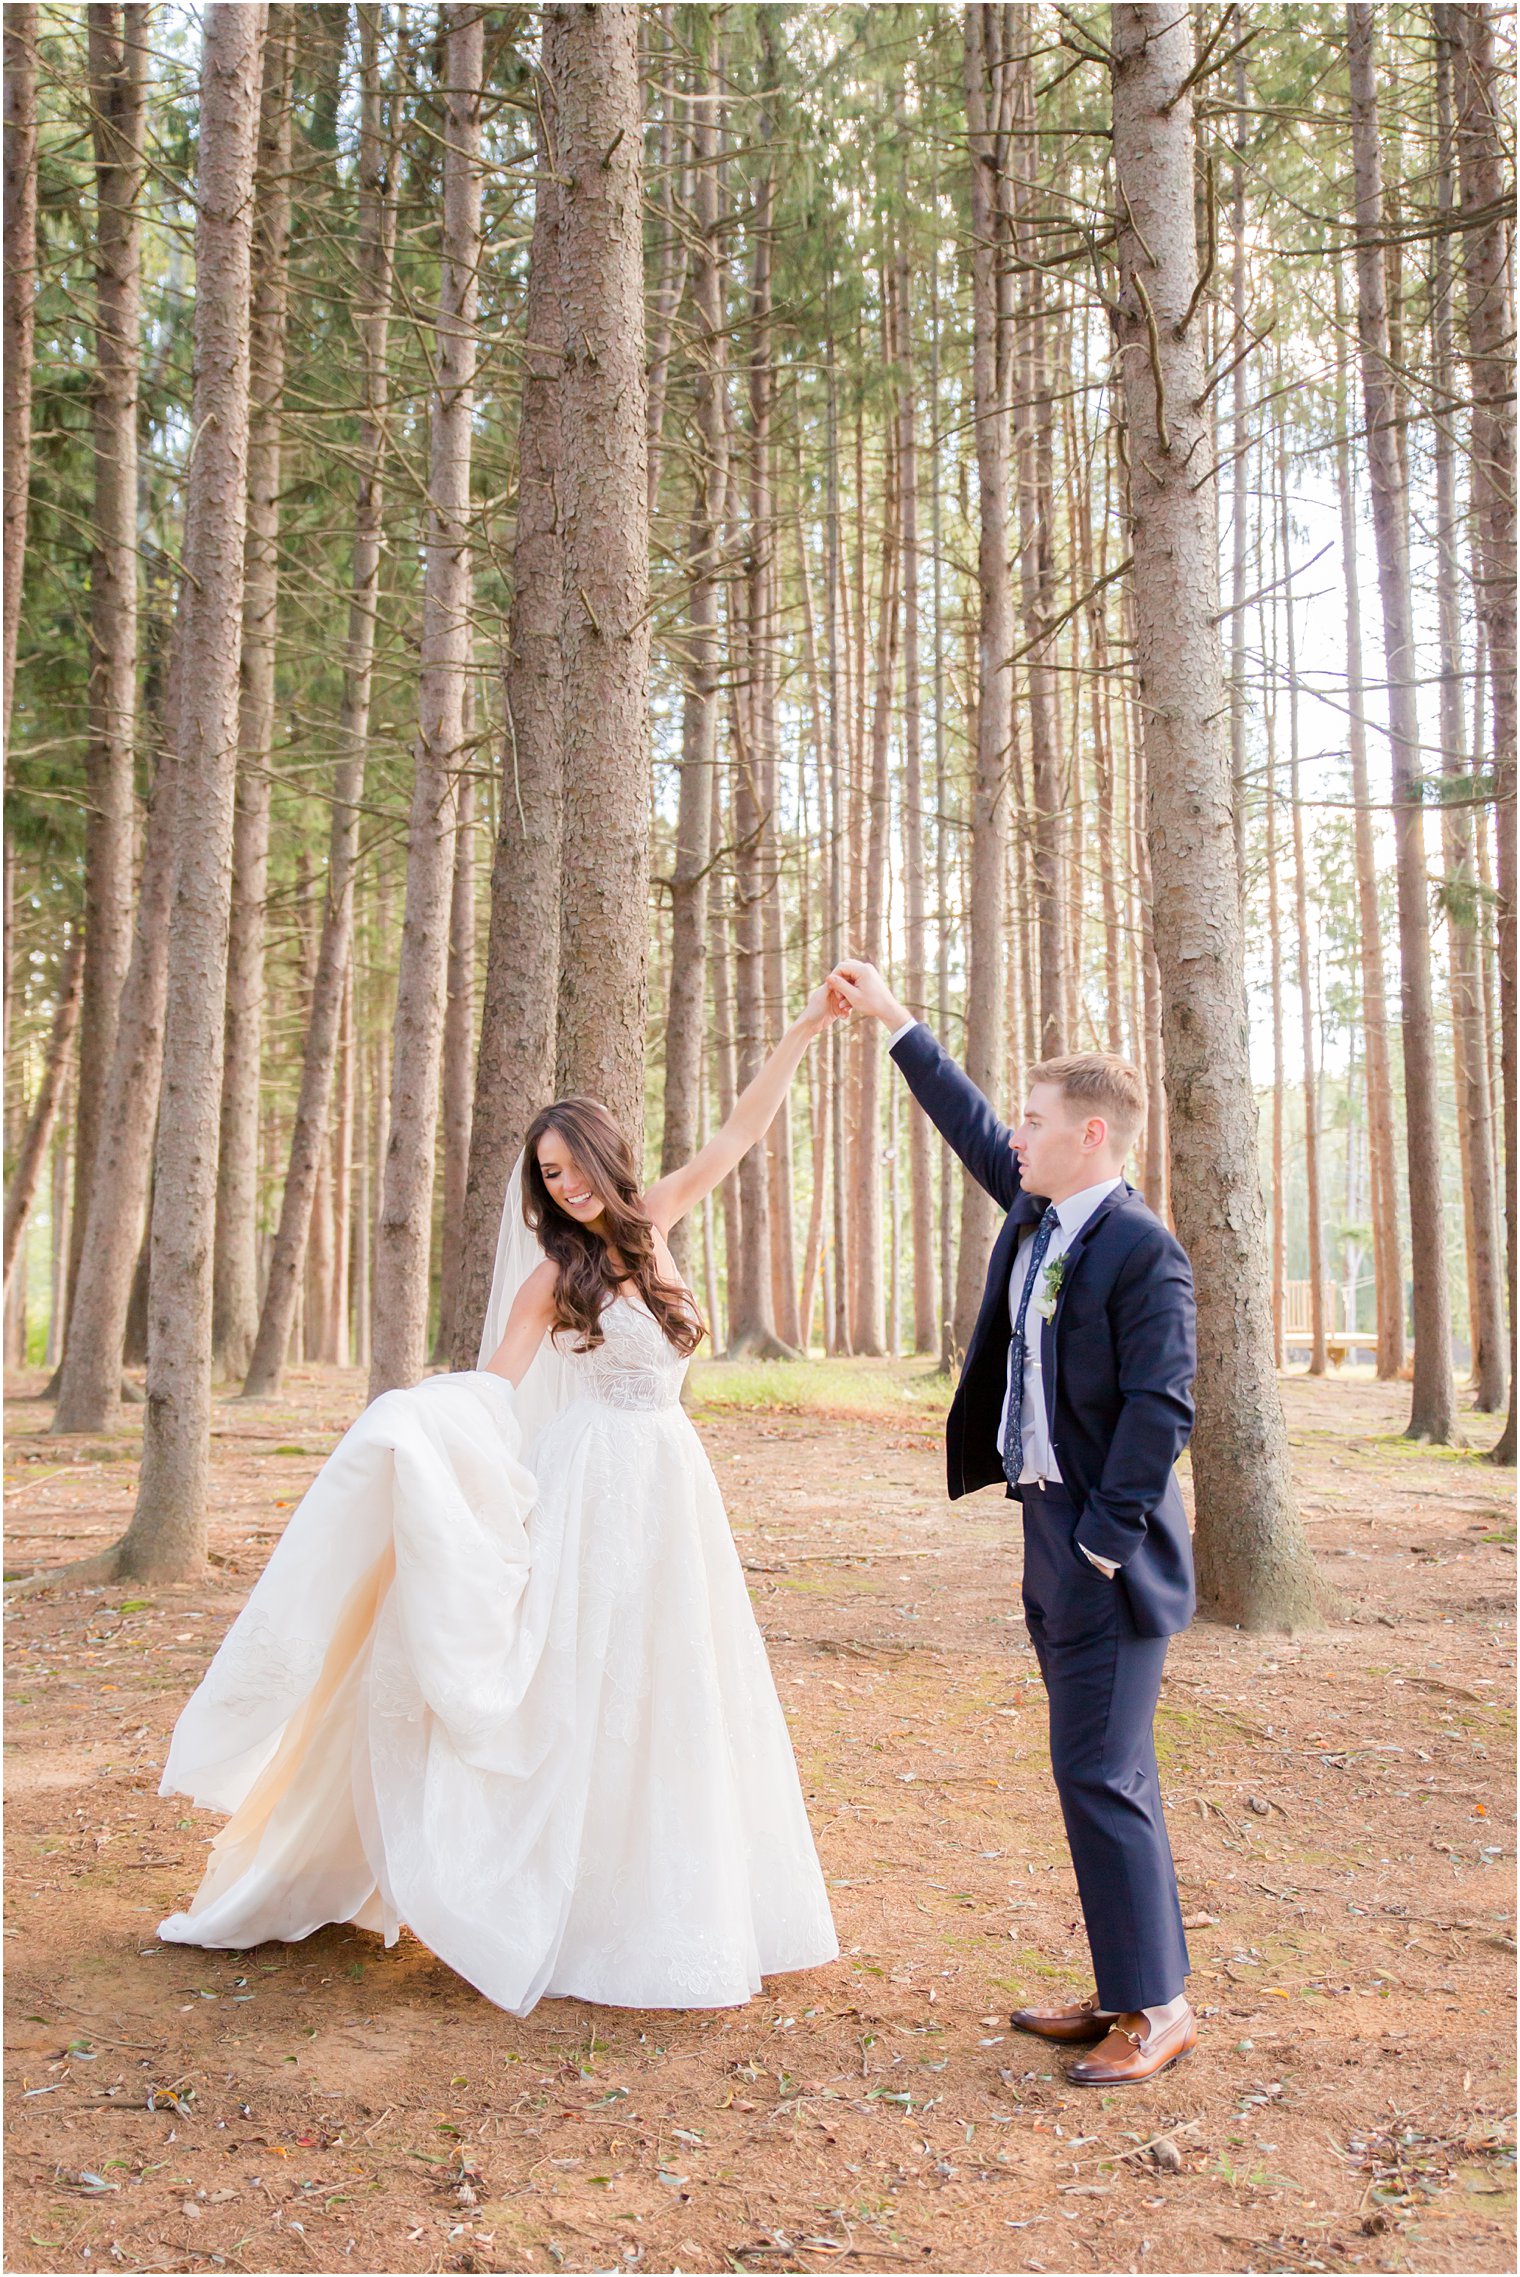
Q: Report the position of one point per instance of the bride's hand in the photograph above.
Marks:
(826, 1005)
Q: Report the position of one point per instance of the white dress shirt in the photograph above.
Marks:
(1039, 1462)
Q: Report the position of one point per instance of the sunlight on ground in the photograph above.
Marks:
(911, 1389)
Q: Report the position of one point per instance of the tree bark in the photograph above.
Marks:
(1240, 501)
(166, 1538)
(1475, 1127)
(118, 76)
(603, 464)
(1034, 445)
(515, 1068)
(32, 1151)
(1253, 1564)
(90, 1383)
(20, 215)
(404, 1235)
(752, 1329)
(376, 250)
(989, 787)
(1490, 337)
(458, 1038)
(685, 1010)
(915, 963)
(866, 1334)
(235, 1266)
(1433, 1403)
(1388, 1277)
(1314, 1226)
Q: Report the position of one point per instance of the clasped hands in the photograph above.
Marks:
(854, 986)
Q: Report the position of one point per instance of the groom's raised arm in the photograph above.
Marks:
(965, 1120)
(946, 1092)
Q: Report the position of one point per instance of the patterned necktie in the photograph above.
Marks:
(1013, 1437)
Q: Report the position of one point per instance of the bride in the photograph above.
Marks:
(500, 1680)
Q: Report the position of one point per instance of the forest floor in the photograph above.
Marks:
(1341, 1807)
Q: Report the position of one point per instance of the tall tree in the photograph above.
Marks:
(166, 1536)
(605, 509)
(515, 1066)
(90, 1382)
(1388, 1276)
(752, 1291)
(404, 1235)
(1490, 339)
(1253, 1564)
(20, 314)
(987, 139)
(31, 1154)
(915, 932)
(866, 1307)
(235, 1267)
(118, 77)
(684, 1016)
(1433, 1404)
(1474, 1105)
(1314, 1218)
(331, 984)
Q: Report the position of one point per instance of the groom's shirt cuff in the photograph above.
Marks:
(897, 1034)
(1108, 1566)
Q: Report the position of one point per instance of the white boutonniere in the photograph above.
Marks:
(1044, 1299)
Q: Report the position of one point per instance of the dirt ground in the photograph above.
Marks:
(1341, 1809)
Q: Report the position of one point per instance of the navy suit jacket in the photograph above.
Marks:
(1118, 1356)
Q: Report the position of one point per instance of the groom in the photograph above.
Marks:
(1077, 1393)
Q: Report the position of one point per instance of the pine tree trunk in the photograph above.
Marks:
(235, 1267)
(836, 1334)
(1253, 1564)
(1490, 333)
(1314, 1223)
(1049, 789)
(915, 965)
(515, 1068)
(866, 1308)
(721, 990)
(685, 1014)
(603, 476)
(458, 1042)
(404, 1237)
(1279, 1067)
(20, 323)
(31, 1153)
(989, 787)
(339, 1339)
(166, 1538)
(1433, 1403)
(1240, 501)
(118, 77)
(89, 1388)
(376, 249)
(1485, 1286)
(673, 259)
(1388, 1277)
(752, 1330)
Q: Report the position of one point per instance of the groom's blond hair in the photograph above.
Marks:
(1099, 1083)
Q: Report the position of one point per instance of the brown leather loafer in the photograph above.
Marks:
(1085, 2020)
(1134, 2050)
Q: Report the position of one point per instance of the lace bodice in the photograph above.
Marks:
(634, 1365)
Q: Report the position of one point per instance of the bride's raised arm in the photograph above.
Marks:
(670, 1198)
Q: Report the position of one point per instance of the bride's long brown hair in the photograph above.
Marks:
(586, 1279)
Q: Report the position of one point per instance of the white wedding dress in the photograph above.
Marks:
(513, 1696)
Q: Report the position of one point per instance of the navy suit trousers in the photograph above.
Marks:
(1102, 1680)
